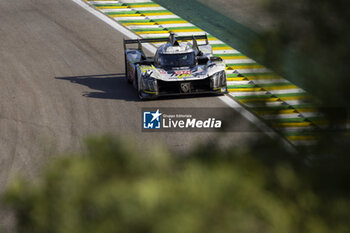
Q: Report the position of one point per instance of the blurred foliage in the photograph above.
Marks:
(310, 44)
(114, 187)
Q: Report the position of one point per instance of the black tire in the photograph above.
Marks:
(127, 71)
(139, 92)
(135, 81)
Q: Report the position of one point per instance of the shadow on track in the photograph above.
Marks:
(115, 86)
(108, 86)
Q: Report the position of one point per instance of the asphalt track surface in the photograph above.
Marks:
(62, 79)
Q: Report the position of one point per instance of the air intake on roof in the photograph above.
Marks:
(172, 39)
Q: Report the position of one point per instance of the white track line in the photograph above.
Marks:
(281, 116)
(154, 35)
(287, 91)
(253, 70)
(174, 25)
(129, 18)
(144, 26)
(244, 82)
(135, 1)
(238, 61)
(296, 129)
(116, 10)
(130, 9)
(226, 51)
(171, 16)
(250, 116)
(269, 81)
(255, 120)
(150, 8)
(248, 93)
(104, 2)
(113, 23)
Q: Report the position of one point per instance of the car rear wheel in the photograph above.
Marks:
(137, 86)
(127, 71)
(139, 91)
(135, 81)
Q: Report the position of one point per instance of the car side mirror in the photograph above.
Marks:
(202, 60)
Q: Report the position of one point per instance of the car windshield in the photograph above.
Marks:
(177, 60)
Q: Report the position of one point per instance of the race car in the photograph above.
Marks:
(179, 67)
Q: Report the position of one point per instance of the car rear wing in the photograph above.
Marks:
(172, 39)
